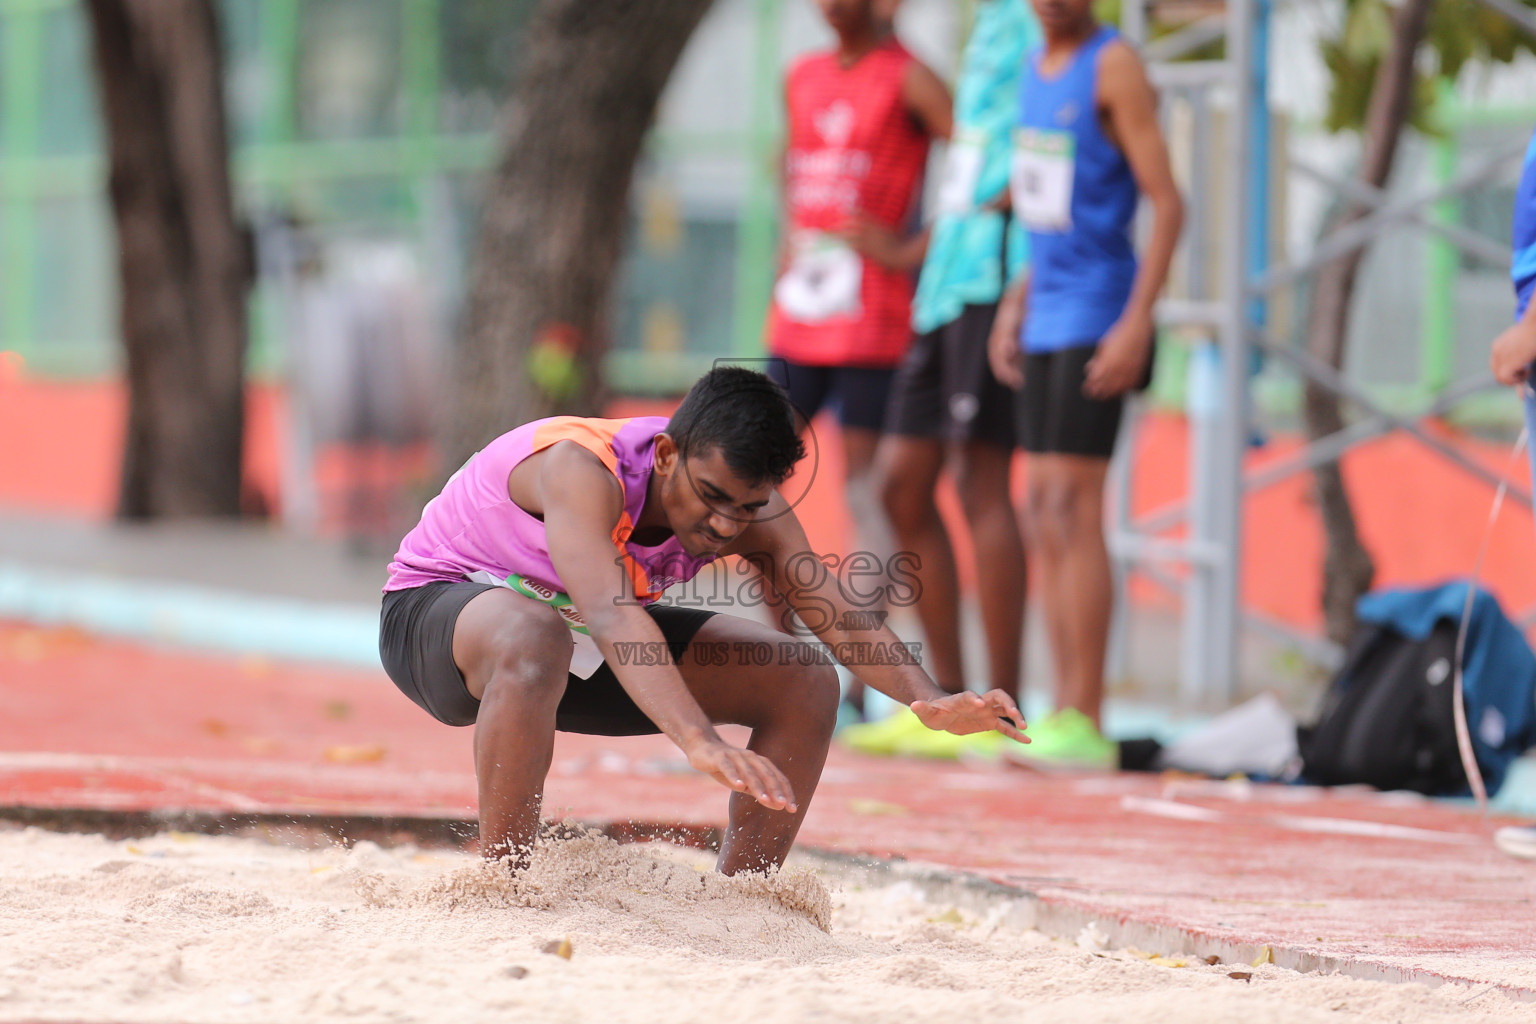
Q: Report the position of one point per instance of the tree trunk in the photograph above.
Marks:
(183, 259)
(1347, 566)
(536, 325)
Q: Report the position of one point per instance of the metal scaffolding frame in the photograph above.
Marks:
(1204, 565)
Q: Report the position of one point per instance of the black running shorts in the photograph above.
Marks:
(416, 647)
(1055, 417)
(944, 388)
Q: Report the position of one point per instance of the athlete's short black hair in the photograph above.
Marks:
(747, 416)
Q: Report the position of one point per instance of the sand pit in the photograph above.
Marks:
(182, 928)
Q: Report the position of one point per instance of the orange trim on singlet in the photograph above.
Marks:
(596, 436)
(639, 579)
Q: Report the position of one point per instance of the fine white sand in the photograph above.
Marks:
(182, 928)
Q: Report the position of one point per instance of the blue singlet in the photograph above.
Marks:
(1082, 264)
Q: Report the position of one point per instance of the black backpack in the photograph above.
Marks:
(1387, 719)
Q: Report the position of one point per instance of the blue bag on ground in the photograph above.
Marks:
(1387, 717)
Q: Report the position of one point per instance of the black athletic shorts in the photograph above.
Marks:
(944, 388)
(859, 393)
(416, 646)
(1053, 414)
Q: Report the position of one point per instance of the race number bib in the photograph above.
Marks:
(962, 170)
(822, 281)
(586, 658)
(1040, 178)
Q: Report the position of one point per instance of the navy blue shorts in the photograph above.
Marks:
(859, 393)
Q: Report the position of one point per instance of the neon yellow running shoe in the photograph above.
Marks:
(1064, 739)
(885, 737)
(946, 746)
(903, 734)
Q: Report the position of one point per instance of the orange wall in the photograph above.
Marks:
(60, 443)
(1422, 517)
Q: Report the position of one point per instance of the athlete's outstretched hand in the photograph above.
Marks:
(745, 772)
(964, 713)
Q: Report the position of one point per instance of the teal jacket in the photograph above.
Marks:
(966, 262)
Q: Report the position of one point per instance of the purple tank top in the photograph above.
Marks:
(474, 530)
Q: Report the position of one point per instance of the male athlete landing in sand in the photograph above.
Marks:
(480, 626)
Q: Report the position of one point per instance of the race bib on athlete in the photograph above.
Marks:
(822, 281)
(962, 171)
(1040, 178)
(585, 656)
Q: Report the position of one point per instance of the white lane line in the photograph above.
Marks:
(1296, 823)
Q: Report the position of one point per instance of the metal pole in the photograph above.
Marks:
(1133, 22)
(1121, 514)
(1383, 216)
(1200, 404)
(1121, 475)
(1258, 170)
(1335, 381)
(1167, 516)
(1212, 615)
(1437, 218)
(1203, 407)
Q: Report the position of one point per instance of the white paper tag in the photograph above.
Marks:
(822, 281)
(1040, 178)
(585, 656)
(962, 170)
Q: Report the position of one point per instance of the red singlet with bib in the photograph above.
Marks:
(854, 149)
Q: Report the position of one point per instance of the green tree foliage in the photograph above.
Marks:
(1460, 32)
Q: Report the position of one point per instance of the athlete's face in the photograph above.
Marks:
(706, 504)
(1063, 17)
(847, 16)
